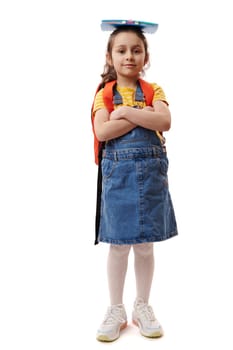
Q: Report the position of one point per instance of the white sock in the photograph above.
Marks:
(144, 269)
(116, 269)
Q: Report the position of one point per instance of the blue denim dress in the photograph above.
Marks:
(136, 205)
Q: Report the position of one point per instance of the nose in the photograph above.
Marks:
(129, 56)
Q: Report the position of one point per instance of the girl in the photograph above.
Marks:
(136, 207)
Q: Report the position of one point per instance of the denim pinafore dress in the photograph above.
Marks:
(136, 205)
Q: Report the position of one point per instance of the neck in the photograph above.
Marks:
(124, 82)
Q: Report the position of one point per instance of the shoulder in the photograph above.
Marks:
(157, 88)
(159, 94)
(99, 94)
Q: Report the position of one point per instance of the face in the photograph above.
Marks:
(128, 55)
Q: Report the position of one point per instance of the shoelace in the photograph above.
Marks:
(146, 311)
(113, 315)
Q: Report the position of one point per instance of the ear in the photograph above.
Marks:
(146, 59)
(109, 59)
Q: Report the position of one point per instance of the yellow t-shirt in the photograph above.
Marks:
(127, 95)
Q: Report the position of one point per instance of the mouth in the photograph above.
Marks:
(130, 65)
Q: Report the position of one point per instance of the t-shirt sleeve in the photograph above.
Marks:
(159, 94)
(98, 102)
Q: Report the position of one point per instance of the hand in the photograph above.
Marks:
(119, 113)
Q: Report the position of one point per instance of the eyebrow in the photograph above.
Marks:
(123, 45)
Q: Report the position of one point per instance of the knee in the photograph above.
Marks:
(144, 250)
(120, 251)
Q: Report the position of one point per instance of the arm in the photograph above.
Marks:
(106, 129)
(158, 118)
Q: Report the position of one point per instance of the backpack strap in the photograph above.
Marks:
(148, 91)
(108, 95)
(108, 101)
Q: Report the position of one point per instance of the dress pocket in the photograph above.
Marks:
(163, 171)
(164, 166)
(107, 168)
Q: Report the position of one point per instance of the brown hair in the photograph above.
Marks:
(109, 72)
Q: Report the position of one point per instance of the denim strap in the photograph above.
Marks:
(139, 96)
(117, 98)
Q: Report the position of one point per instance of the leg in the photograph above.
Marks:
(116, 268)
(144, 269)
(143, 315)
(115, 319)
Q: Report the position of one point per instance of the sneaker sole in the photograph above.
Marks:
(156, 334)
(105, 338)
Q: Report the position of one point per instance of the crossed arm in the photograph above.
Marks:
(124, 119)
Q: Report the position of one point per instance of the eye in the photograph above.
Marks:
(137, 51)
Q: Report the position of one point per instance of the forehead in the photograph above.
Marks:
(127, 39)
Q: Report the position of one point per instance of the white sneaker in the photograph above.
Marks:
(114, 321)
(144, 318)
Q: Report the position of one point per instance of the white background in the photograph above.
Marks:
(53, 292)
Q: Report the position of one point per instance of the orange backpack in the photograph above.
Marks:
(148, 92)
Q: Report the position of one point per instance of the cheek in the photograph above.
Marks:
(116, 62)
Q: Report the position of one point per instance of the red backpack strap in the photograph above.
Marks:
(108, 95)
(148, 91)
(96, 141)
(108, 101)
(146, 87)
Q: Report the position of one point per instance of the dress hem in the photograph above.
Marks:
(139, 240)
